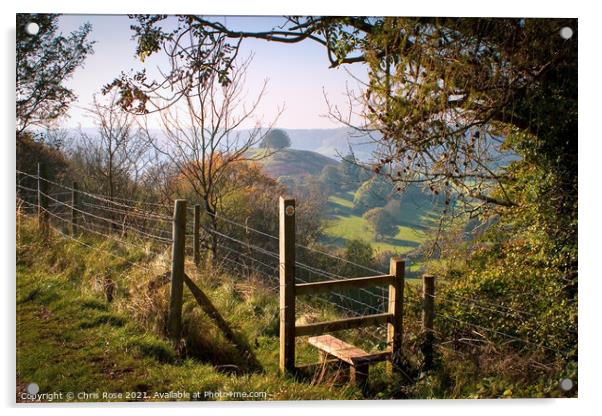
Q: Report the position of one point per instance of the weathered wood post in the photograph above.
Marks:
(196, 242)
(287, 285)
(42, 198)
(395, 327)
(174, 319)
(358, 375)
(428, 313)
(74, 207)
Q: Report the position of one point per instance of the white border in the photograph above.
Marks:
(590, 153)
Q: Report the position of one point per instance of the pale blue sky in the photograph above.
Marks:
(297, 74)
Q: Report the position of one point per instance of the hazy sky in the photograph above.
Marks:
(298, 74)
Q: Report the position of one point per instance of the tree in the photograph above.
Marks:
(448, 97)
(442, 91)
(113, 160)
(202, 140)
(200, 103)
(375, 192)
(360, 253)
(197, 57)
(382, 222)
(332, 178)
(350, 168)
(276, 139)
(30, 152)
(44, 62)
(446, 108)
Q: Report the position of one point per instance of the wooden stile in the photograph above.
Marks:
(342, 284)
(345, 323)
(357, 359)
(331, 346)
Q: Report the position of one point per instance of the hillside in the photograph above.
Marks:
(332, 142)
(118, 343)
(345, 225)
(326, 142)
(293, 162)
(329, 143)
(63, 317)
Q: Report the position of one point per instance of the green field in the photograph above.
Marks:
(291, 162)
(346, 225)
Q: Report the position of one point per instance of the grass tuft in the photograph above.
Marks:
(95, 304)
(104, 319)
(153, 348)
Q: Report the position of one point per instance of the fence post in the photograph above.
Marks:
(196, 243)
(42, 199)
(395, 327)
(428, 313)
(174, 319)
(287, 284)
(74, 205)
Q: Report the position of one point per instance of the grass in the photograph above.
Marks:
(69, 339)
(349, 226)
(341, 201)
(291, 162)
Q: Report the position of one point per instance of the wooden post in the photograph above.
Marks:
(74, 206)
(287, 285)
(174, 320)
(42, 198)
(358, 375)
(196, 243)
(395, 327)
(428, 312)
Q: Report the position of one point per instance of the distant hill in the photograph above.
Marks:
(293, 162)
(332, 142)
(327, 142)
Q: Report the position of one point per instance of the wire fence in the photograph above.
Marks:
(135, 223)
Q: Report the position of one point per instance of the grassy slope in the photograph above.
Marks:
(293, 162)
(347, 225)
(70, 339)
